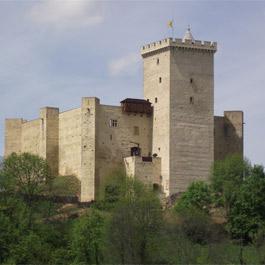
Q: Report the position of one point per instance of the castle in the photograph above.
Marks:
(168, 139)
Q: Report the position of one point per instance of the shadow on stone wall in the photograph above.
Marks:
(228, 137)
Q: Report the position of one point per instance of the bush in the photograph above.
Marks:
(247, 213)
(196, 225)
(30, 249)
(88, 238)
(226, 178)
(135, 225)
(198, 195)
(25, 174)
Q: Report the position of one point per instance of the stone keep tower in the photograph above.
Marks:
(179, 82)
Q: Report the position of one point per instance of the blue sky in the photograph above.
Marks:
(54, 52)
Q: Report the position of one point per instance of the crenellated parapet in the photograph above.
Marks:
(207, 46)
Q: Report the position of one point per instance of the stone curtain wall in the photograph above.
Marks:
(114, 143)
(50, 137)
(70, 143)
(31, 137)
(13, 130)
(81, 141)
(228, 134)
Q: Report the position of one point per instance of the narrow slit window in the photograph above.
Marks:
(155, 100)
(226, 130)
(160, 79)
(157, 61)
(191, 100)
(191, 80)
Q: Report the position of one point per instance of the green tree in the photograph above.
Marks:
(247, 215)
(198, 195)
(226, 179)
(25, 235)
(88, 238)
(8, 236)
(30, 249)
(24, 176)
(135, 226)
(259, 244)
(196, 224)
(240, 188)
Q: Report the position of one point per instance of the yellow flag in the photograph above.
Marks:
(170, 23)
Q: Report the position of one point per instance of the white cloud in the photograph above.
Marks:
(68, 13)
(125, 64)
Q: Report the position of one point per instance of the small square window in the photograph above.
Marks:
(113, 123)
(136, 130)
(160, 79)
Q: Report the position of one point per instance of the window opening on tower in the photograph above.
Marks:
(113, 123)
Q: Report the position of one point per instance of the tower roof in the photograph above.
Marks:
(188, 35)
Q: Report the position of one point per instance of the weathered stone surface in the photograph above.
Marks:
(70, 142)
(178, 80)
(149, 172)
(13, 132)
(228, 134)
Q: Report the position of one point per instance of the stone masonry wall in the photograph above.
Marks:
(70, 143)
(157, 91)
(147, 172)
(13, 130)
(81, 141)
(39, 136)
(191, 117)
(114, 143)
(31, 137)
(178, 80)
(50, 137)
(89, 118)
(228, 134)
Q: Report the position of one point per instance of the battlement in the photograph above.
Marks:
(179, 43)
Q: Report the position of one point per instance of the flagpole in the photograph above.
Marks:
(172, 28)
(170, 25)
